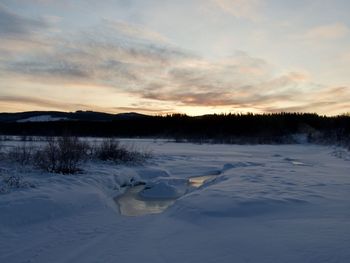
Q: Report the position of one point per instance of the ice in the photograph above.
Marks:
(132, 204)
(198, 181)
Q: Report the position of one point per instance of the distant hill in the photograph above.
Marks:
(49, 116)
(222, 128)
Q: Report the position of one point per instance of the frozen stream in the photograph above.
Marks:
(198, 181)
(132, 204)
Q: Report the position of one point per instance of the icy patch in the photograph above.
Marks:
(298, 163)
(155, 197)
(198, 181)
(295, 162)
(152, 198)
(131, 204)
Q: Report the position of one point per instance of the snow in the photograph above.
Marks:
(42, 118)
(165, 189)
(264, 203)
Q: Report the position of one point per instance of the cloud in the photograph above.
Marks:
(327, 32)
(44, 69)
(134, 31)
(28, 103)
(211, 90)
(327, 100)
(33, 101)
(247, 9)
(144, 65)
(111, 58)
(23, 36)
(12, 24)
(165, 74)
(147, 110)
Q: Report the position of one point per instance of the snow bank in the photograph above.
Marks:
(165, 189)
(150, 173)
(58, 196)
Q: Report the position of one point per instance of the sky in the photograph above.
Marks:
(184, 56)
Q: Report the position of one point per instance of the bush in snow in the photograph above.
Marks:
(65, 154)
(62, 155)
(1, 152)
(111, 150)
(21, 154)
(13, 182)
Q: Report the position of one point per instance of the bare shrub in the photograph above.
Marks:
(72, 152)
(1, 150)
(21, 154)
(62, 155)
(111, 150)
(14, 182)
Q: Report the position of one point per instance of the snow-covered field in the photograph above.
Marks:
(288, 203)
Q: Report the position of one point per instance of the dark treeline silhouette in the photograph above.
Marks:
(224, 128)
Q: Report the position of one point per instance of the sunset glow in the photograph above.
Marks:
(157, 57)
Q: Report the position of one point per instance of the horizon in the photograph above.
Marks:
(192, 57)
(347, 114)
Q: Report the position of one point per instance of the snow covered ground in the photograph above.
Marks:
(42, 118)
(263, 203)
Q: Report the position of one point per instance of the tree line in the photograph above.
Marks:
(225, 128)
